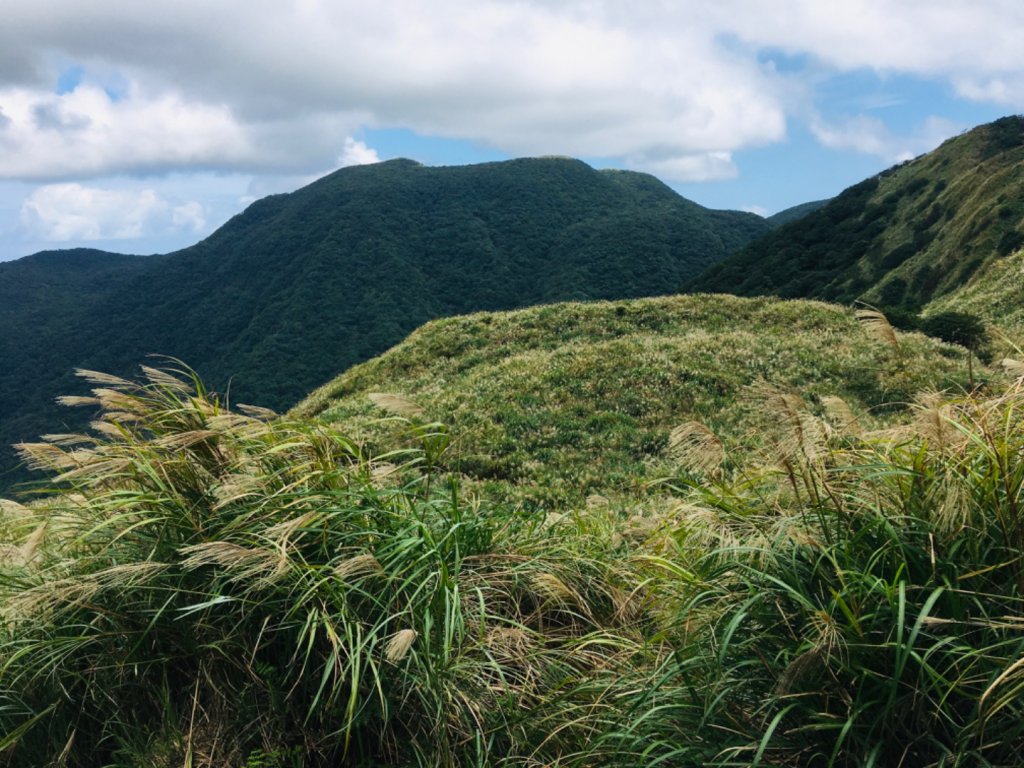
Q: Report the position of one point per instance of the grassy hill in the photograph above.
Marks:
(902, 239)
(300, 286)
(555, 403)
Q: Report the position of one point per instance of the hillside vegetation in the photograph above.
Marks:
(212, 588)
(555, 403)
(681, 531)
(303, 285)
(907, 237)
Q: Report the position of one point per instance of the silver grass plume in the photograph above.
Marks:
(879, 328)
(103, 379)
(166, 380)
(1012, 367)
(697, 447)
(399, 644)
(397, 404)
(841, 415)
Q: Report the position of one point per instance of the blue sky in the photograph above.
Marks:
(140, 128)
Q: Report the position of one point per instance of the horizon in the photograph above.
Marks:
(143, 130)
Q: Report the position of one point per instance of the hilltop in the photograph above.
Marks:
(900, 240)
(554, 403)
(300, 286)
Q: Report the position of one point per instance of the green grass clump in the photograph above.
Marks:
(863, 603)
(214, 588)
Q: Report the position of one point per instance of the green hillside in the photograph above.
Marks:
(911, 235)
(798, 577)
(558, 402)
(303, 285)
(676, 531)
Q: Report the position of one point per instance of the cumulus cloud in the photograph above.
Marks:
(65, 212)
(357, 153)
(706, 166)
(284, 89)
(190, 216)
(929, 37)
(87, 132)
(1008, 90)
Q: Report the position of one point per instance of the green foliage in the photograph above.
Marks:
(868, 614)
(301, 286)
(210, 588)
(553, 404)
(961, 328)
(213, 588)
(915, 234)
(795, 213)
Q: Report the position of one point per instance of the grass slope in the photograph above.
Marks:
(303, 285)
(557, 402)
(913, 234)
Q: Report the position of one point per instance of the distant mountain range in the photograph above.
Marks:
(303, 285)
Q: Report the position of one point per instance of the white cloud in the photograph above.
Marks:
(707, 166)
(65, 212)
(929, 37)
(87, 132)
(189, 216)
(357, 153)
(673, 88)
(870, 136)
(760, 210)
(1008, 90)
(282, 91)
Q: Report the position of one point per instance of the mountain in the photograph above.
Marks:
(909, 236)
(300, 286)
(795, 213)
(550, 404)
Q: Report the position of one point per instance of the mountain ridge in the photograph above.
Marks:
(900, 239)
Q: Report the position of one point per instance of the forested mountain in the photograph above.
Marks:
(797, 212)
(681, 530)
(301, 286)
(899, 240)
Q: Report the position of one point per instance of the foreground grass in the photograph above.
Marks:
(221, 589)
(212, 588)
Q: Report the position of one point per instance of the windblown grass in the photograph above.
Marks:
(210, 588)
(864, 605)
(215, 588)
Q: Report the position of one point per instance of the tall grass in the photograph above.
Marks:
(214, 588)
(872, 613)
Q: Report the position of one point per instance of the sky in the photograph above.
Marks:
(142, 127)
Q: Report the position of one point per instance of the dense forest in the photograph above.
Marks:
(899, 240)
